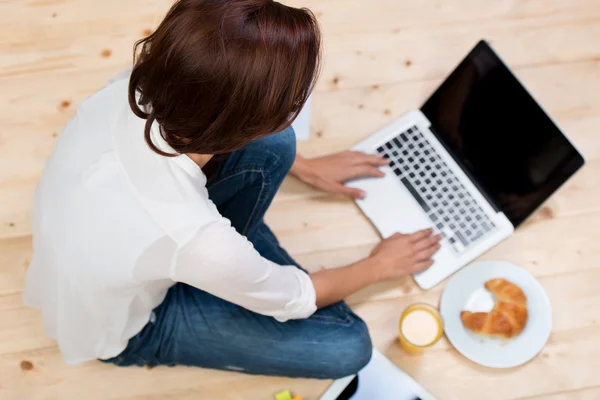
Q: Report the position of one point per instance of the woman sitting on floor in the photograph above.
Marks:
(150, 246)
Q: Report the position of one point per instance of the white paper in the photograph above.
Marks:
(301, 124)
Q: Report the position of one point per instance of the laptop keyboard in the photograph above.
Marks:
(447, 203)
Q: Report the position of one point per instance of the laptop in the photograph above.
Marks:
(478, 158)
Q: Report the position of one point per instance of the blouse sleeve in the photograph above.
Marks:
(224, 263)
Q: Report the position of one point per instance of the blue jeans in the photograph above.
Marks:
(192, 327)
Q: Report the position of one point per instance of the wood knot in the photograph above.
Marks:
(106, 53)
(26, 365)
(408, 63)
(65, 104)
(546, 212)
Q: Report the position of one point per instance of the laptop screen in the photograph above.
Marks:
(498, 133)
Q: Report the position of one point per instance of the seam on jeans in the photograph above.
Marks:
(233, 174)
(247, 168)
(283, 254)
(346, 320)
(259, 199)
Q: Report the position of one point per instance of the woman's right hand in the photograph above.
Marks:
(401, 255)
(394, 257)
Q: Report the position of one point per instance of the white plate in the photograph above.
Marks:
(465, 291)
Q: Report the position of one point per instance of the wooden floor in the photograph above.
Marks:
(383, 57)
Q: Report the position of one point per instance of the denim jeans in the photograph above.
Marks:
(192, 327)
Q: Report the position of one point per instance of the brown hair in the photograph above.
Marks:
(218, 73)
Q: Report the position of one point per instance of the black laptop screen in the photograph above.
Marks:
(500, 135)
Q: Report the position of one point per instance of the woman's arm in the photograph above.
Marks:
(333, 285)
(394, 257)
(224, 263)
(328, 173)
(220, 261)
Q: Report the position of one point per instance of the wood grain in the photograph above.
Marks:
(382, 58)
(592, 393)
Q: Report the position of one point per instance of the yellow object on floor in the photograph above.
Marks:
(285, 395)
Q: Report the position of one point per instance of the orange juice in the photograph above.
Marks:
(421, 326)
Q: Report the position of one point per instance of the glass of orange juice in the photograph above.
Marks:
(421, 326)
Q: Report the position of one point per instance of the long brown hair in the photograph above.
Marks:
(218, 73)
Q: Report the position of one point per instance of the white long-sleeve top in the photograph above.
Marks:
(115, 225)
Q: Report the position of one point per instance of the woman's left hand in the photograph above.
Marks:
(328, 173)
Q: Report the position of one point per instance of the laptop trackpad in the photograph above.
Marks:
(390, 206)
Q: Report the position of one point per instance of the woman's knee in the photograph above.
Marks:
(281, 147)
(349, 353)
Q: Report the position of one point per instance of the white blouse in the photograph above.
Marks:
(115, 225)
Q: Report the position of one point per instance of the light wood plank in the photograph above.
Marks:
(14, 259)
(21, 326)
(364, 60)
(367, 59)
(582, 394)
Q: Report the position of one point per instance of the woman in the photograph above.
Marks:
(149, 241)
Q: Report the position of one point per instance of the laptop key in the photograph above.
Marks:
(415, 194)
(461, 238)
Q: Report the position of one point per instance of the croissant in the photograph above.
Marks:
(509, 315)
